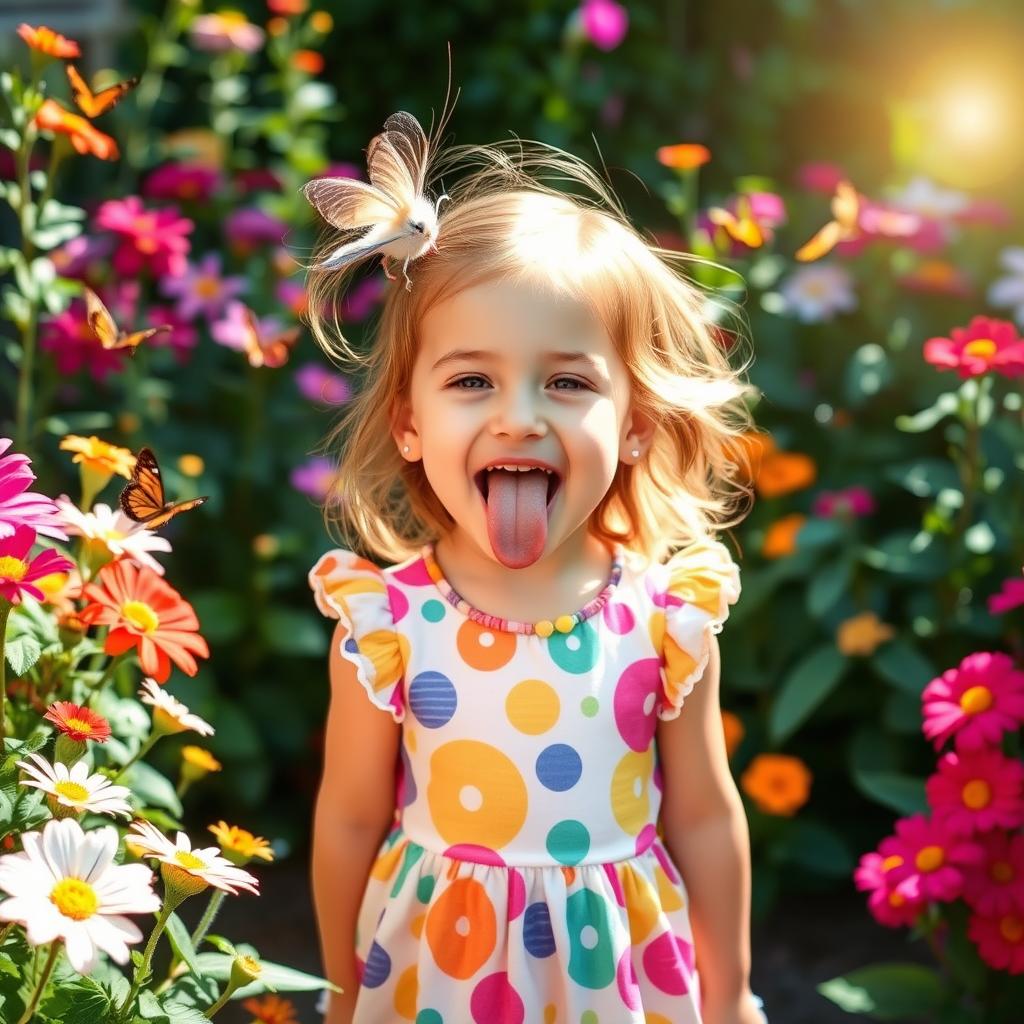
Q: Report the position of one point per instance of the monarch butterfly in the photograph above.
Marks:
(267, 351)
(93, 104)
(106, 331)
(142, 499)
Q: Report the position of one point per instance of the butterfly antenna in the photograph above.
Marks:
(445, 112)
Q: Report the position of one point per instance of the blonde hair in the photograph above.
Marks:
(504, 221)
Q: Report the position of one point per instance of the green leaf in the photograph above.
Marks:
(221, 613)
(22, 653)
(828, 585)
(181, 1013)
(819, 532)
(945, 405)
(285, 979)
(916, 556)
(804, 689)
(88, 1003)
(153, 788)
(887, 991)
(901, 793)
(149, 1007)
(293, 632)
(182, 942)
(813, 846)
(901, 664)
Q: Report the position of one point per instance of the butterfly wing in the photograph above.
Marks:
(821, 244)
(408, 140)
(142, 499)
(94, 104)
(133, 340)
(277, 349)
(348, 203)
(154, 522)
(101, 323)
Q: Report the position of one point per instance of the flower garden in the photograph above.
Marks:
(163, 683)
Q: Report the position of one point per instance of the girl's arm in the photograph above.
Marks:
(354, 810)
(705, 831)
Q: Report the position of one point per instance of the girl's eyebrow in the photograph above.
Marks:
(458, 354)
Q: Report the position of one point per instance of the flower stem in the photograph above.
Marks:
(5, 610)
(112, 666)
(216, 899)
(225, 996)
(141, 752)
(142, 970)
(43, 979)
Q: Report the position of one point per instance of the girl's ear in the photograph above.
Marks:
(403, 431)
(639, 431)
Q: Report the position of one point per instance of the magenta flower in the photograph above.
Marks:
(182, 180)
(892, 904)
(341, 170)
(604, 22)
(292, 295)
(820, 177)
(181, 338)
(320, 385)
(977, 790)
(983, 345)
(201, 289)
(68, 338)
(250, 227)
(17, 570)
(1010, 596)
(84, 258)
(996, 886)
(226, 30)
(313, 477)
(232, 329)
(999, 940)
(361, 301)
(855, 502)
(257, 179)
(977, 701)
(152, 239)
(20, 506)
(933, 855)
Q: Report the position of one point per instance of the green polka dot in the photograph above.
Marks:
(588, 1017)
(576, 652)
(432, 611)
(429, 1017)
(589, 706)
(591, 949)
(425, 888)
(568, 841)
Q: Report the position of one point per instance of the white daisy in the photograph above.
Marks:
(205, 864)
(73, 787)
(922, 195)
(1009, 290)
(818, 291)
(169, 714)
(115, 531)
(64, 885)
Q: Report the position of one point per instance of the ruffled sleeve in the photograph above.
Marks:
(702, 581)
(354, 590)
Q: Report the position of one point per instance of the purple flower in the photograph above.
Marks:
(83, 258)
(201, 289)
(360, 302)
(313, 477)
(320, 385)
(249, 227)
(604, 22)
(851, 501)
(18, 505)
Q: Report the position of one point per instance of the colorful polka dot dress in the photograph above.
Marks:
(524, 880)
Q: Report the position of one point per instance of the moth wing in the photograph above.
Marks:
(101, 323)
(348, 203)
(407, 137)
(351, 252)
(388, 170)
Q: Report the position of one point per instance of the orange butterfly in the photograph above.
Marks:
(142, 499)
(269, 351)
(743, 228)
(107, 333)
(93, 104)
(842, 228)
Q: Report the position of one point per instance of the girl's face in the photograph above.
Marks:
(514, 371)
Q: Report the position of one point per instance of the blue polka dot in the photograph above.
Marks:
(378, 967)
(351, 646)
(559, 767)
(538, 937)
(433, 610)
(433, 699)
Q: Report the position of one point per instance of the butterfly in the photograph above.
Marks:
(269, 351)
(93, 104)
(743, 228)
(396, 218)
(142, 499)
(843, 227)
(107, 333)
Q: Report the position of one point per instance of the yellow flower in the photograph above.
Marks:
(321, 21)
(777, 783)
(197, 762)
(862, 634)
(240, 846)
(191, 465)
(99, 456)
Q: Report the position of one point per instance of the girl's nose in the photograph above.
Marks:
(520, 415)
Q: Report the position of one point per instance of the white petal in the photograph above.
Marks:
(111, 938)
(61, 839)
(81, 950)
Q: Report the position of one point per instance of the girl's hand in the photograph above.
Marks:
(745, 1010)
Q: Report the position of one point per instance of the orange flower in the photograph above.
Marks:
(777, 783)
(287, 6)
(271, 1010)
(321, 22)
(45, 40)
(86, 138)
(277, 26)
(309, 61)
(749, 450)
(784, 472)
(685, 156)
(780, 538)
(734, 731)
(148, 614)
(862, 634)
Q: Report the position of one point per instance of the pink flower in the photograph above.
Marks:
(320, 385)
(293, 295)
(933, 855)
(181, 338)
(977, 790)
(257, 179)
(989, 212)
(84, 258)
(983, 345)
(1000, 940)
(604, 22)
(20, 506)
(227, 30)
(232, 329)
(892, 904)
(201, 289)
(978, 701)
(996, 886)
(68, 337)
(1010, 596)
(182, 180)
(341, 170)
(854, 502)
(250, 227)
(820, 177)
(17, 570)
(154, 239)
(360, 302)
(313, 477)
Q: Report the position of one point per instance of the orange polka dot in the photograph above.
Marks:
(462, 928)
(485, 649)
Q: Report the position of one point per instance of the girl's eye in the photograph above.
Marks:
(579, 385)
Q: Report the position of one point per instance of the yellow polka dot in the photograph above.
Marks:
(416, 925)
(410, 737)
(532, 706)
(641, 904)
(629, 791)
(564, 623)
(655, 1018)
(670, 896)
(406, 990)
(550, 1013)
(384, 866)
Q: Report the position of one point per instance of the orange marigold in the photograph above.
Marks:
(271, 1010)
(45, 40)
(861, 634)
(684, 156)
(309, 61)
(784, 472)
(780, 537)
(777, 783)
(734, 731)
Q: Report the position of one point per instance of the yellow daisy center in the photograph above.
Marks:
(208, 287)
(189, 860)
(976, 699)
(251, 966)
(74, 898)
(983, 347)
(12, 568)
(977, 794)
(140, 615)
(1011, 927)
(929, 858)
(79, 725)
(892, 862)
(71, 791)
(1001, 871)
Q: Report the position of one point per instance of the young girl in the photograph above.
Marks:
(516, 823)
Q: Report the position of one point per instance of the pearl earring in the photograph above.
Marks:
(635, 453)
(406, 448)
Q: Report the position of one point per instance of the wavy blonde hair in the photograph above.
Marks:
(505, 221)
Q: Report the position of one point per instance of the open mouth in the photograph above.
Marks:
(481, 480)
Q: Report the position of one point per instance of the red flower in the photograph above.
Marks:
(80, 723)
(148, 614)
(982, 345)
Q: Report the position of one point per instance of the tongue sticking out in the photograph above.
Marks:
(517, 515)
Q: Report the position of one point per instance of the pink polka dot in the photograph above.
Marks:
(475, 854)
(636, 695)
(645, 840)
(360, 968)
(668, 961)
(619, 617)
(399, 603)
(613, 881)
(625, 975)
(494, 999)
(516, 894)
(415, 575)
